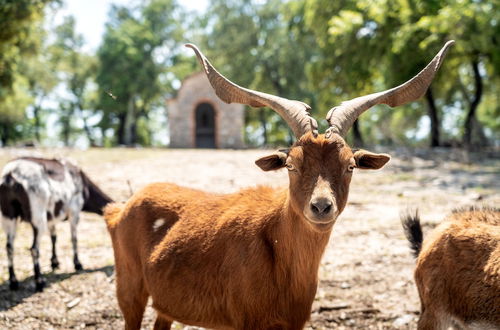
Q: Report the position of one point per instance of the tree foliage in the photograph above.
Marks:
(371, 45)
(76, 70)
(252, 44)
(20, 24)
(318, 51)
(137, 45)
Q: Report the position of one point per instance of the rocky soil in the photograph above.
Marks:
(366, 273)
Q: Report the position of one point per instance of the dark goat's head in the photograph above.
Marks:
(94, 198)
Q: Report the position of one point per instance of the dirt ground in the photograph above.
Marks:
(366, 273)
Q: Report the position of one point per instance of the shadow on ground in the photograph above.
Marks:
(9, 298)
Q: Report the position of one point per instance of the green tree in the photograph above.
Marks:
(20, 22)
(253, 43)
(369, 45)
(77, 70)
(476, 75)
(12, 111)
(40, 71)
(137, 44)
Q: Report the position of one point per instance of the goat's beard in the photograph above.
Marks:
(321, 226)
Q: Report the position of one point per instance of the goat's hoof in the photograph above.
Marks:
(55, 265)
(13, 285)
(40, 285)
(78, 267)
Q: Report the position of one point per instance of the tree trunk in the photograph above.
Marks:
(66, 131)
(102, 141)
(86, 127)
(358, 138)
(36, 114)
(133, 133)
(433, 116)
(129, 123)
(4, 134)
(142, 113)
(471, 114)
(121, 129)
(263, 122)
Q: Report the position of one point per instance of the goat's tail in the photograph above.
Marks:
(112, 213)
(413, 231)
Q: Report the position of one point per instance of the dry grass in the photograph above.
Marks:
(366, 273)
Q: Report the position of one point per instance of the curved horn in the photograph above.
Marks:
(295, 113)
(342, 117)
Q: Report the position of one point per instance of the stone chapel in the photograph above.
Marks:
(199, 119)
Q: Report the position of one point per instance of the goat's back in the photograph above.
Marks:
(152, 214)
(487, 215)
(458, 268)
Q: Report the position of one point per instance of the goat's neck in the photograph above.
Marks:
(94, 198)
(298, 247)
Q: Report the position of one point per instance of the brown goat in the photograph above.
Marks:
(458, 270)
(247, 260)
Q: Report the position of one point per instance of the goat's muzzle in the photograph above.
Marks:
(321, 207)
(321, 212)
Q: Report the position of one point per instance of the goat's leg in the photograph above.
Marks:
(132, 296)
(35, 254)
(54, 262)
(9, 225)
(162, 323)
(75, 217)
(431, 320)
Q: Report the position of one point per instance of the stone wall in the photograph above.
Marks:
(229, 118)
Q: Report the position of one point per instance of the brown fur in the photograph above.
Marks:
(458, 272)
(247, 260)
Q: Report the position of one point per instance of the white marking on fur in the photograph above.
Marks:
(52, 227)
(74, 218)
(38, 206)
(481, 325)
(445, 321)
(9, 226)
(450, 322)
(158, 223)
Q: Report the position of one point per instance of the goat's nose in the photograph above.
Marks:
(321, 206)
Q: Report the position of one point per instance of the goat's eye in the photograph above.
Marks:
(290, 167)
(350, 168)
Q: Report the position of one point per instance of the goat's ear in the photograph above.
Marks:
(273, 162)
(370, 161)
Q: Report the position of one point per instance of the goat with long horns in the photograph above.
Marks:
(247, 260)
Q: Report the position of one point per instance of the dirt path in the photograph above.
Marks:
(366, 273)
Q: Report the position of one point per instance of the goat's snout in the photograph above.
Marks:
(321, 207)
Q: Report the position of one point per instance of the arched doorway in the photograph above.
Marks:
(205, 126)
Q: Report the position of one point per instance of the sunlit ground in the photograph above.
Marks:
(366, 273)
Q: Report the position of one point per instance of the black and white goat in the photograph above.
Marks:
(43, 191)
